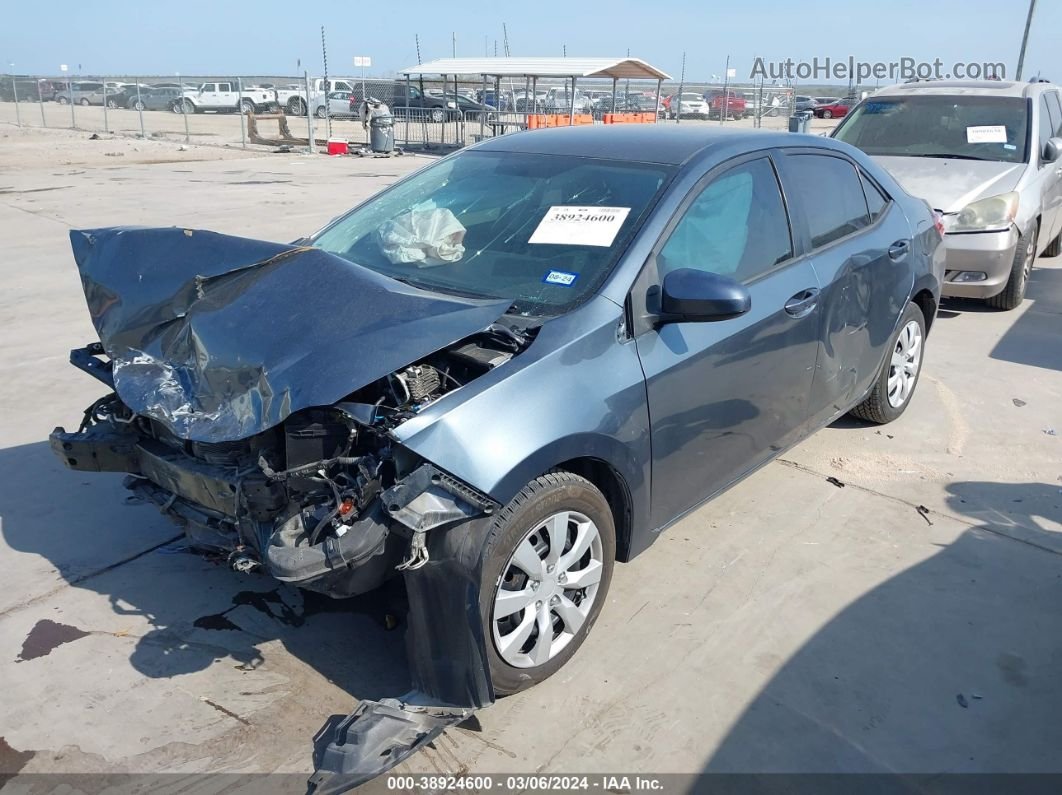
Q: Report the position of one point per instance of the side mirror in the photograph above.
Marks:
(1052, 150)
(689, 295)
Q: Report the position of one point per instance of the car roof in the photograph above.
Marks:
(983, 88)
(645, 143)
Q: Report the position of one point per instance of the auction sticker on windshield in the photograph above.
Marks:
(580, 226)
(996, 134)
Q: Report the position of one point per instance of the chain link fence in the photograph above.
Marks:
(274, 110)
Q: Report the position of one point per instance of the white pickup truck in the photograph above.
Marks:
(224, 97)
(292, 98)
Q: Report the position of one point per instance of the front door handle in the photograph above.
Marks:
(899, 249)
(803, 302)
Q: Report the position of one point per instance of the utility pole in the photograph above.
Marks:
(453, 38)
(417, 37)
(1025, 38)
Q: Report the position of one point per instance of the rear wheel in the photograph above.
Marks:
(137, 105)
(113, 104)
(1014, 293)
(62, 100)
(547, 565)
(898, 378)
(321, 112)
(83, 102)
(246, 106)
(186, 107)
(827, 114)
(296, 106)
(438, 115)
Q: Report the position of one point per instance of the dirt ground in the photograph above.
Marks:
(906, 620)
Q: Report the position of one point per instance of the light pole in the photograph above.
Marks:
(1025, 38)
(14, 91)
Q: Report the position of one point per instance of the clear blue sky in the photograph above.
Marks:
(270, 37)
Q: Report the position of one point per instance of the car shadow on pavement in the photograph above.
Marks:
(1035, 338)
(199, 610)
(950, 666)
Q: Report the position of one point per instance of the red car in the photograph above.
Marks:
(834, 110)
(736, 104)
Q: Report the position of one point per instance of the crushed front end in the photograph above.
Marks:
(326, 500)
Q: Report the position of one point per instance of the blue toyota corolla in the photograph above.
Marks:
(500, 376)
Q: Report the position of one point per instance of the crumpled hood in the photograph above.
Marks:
(949, 185)
(219, 338)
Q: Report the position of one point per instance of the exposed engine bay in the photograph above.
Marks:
(313, 500)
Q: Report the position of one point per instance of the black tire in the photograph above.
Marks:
(245, 106)
(321, 112)
(538, 500)
(438, 115)
(112, 104)
(876, 407)
(296, 107)
(62, 100)
(1024, 256)
(827, 114)
(83, 102)
(1054, 248)
(136, 104)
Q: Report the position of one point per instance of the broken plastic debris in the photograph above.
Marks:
(962, 701)
(924, 511)
(1018, 402)
(1050, 431)
(835, 482)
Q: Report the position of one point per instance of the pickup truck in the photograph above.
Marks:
(224, 97)
(736, 104)
(292, 97)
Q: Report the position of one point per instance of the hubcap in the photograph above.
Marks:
(906, 359)
(547, 589)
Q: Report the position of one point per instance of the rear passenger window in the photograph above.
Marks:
(876, 200)
(736, 227)
(829, 190)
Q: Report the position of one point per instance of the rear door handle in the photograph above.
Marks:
(899, 249)
(803, 302)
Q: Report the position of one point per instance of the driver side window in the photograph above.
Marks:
(736, 227)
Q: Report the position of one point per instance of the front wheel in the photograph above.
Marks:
(84, 102)
(112, 104)
(62, 100)
(1014, 293)
(547, 565)
(827, 114)
(296, 107)
(246, 106)
(137, 105)
(898, 378)
(321, 112)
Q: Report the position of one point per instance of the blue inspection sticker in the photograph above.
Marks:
(563, 278)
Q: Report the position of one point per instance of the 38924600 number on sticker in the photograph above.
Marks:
(579, 226)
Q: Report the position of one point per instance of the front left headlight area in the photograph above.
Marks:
(994, 214)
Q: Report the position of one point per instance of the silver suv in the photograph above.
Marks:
(986, 156)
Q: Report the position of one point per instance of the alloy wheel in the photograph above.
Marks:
(906, 360)
(547, 589)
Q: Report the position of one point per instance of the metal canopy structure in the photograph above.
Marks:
(531, 69)
(614, 68)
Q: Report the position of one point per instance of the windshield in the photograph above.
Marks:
(540, 230)
(967, 127)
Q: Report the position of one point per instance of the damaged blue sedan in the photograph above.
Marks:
(500, 376)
